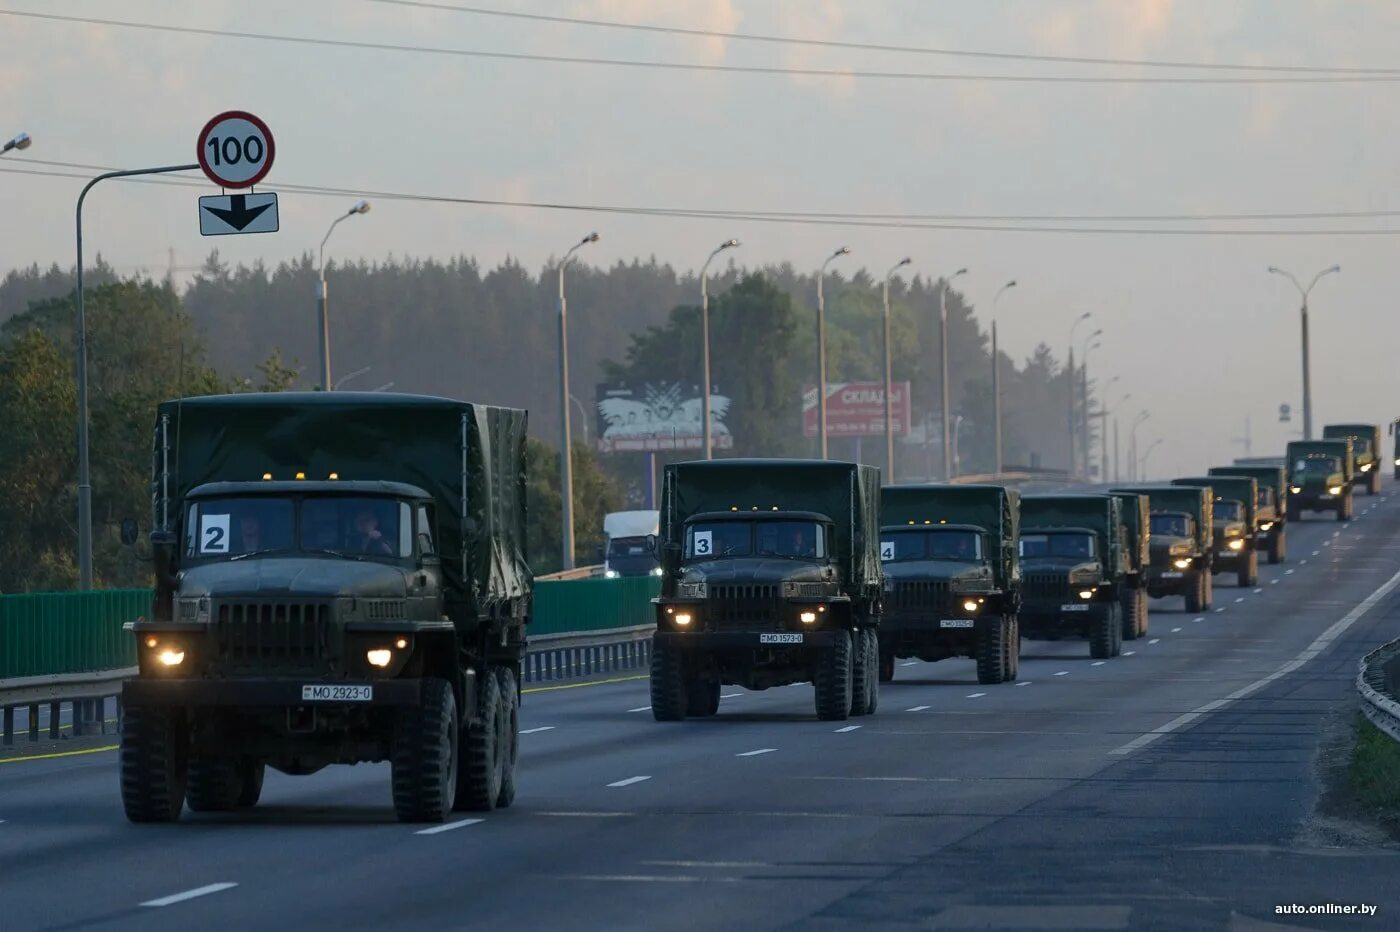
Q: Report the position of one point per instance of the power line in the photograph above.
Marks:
(1365, 78)
(874, 46)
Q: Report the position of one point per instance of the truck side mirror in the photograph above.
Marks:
(130, 532)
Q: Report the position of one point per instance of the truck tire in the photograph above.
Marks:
(154, 752)
(1195, 599)
(510, 725)
(1144, 618)
(862, 672)
(1012, 668)
(1106, 640)
(874, 702)
(833, 680)
(668, 693)
(424, 765)
(1208, 598)
(991, 650)
(886, 666)
(1248, 576)
(1132, 614)
(251, 791)
(1373, 481)
(702, 696)
(214, 784)
(484, 749)
(1278, 547)
(1342, 510)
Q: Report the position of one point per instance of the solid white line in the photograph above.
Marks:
(1063, 673)
(756, 753)
(1129, 653)
(1323, 642)
(976, 695)
(731, 695)
(842, 731)
(917, 708)
(190, 894)
(1024, 683)
(535, 731)
(645, 708)
(439, 829)
(1176, 630)
(1098, 663)
(629, 781)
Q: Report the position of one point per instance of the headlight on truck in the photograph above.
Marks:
(1181, 564)
(1086, 593)
(171, 657)
(379, 657)
(971, 605)
(1295, 489)
(692, 590)
(1236, 544)
(1266, 525)
(1365, 467)
(1334, 490)
(657, 571)
(611, 574)
(808, 618)
(683, 619)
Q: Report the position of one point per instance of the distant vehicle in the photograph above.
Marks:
(771, 577)
(1396, 434)
(630, 549)
(1137, 537)
(1235, 524)
(952, 577)
(1320, 477)
(1182, 559)
(1271, 521)
(1261, 461)
(1365, 447)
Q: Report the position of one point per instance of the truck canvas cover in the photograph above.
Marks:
(470, 458)
(846, 493)
(1271, 477)
(992, 507)
(1135, 508)
(1098, 513)
(1242, 489)
(1186, 499)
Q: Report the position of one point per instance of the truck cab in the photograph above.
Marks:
(1320, 476)
(630, 546)
(1366, 449)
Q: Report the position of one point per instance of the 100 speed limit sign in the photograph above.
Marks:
(236, 149)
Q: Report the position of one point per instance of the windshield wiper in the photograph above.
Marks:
(337, 553)
(256, 553)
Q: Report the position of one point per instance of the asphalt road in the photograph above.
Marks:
(1170, 788)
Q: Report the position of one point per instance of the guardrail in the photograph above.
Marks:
(1378, 682)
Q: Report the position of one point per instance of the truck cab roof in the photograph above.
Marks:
(758, 515)
(912, 526)
(317, 487)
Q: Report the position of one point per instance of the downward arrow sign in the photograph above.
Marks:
(238, 215)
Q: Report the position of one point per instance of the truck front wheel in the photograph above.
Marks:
(702, 696)
(1012, 669)
(1195, 599)
(253, 772)
(875, 663)
(1106, 639)
(1373, 481)
(1278, 548)
(1134, 610)
(668, 692)
(862, 672)
(833, 680)
(154, 765)
(991, 650)
(1248, 575)
(424, 757)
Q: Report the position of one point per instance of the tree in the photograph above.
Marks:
(595, 494)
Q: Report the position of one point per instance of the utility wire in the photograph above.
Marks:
(1365, 78)
(875, 46)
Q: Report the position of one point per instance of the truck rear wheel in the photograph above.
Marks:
(668, 693)
(154, 752)
(484, 747)
(1133, 610)
(887, 666)
(1248, 575)
(424, 764)
(862, 672)
(214, 784)
(1208, 584)
(1278, 548)
(1012, 666)
(833, 680)
(510, 736)
(702, 696)
(874, 702)
(1106, 640)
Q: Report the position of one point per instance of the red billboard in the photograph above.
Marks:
(857, 409)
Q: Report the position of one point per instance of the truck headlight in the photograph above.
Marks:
(970, 605)
(693, 590)
(1365, 467)
(379, 657)
(1297, 489)
(171, 656)
(1397, 461)
(1236, 544)
(1181, 564)
(611, 574)
(1086, 593)
(682, 619)
(808, 618)
(1334, 490)
(657, 571)
(1266, 525)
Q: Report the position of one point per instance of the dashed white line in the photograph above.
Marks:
(1301, 562)
(1176, 630)
(1257, 591)
(1098, 663)
(918, 708)
(190, 894)
(1024, 683)
(1288, 572)
(1155, 641)
(976, 695)
(1219, 610)
(1274, 582)
(535, 731)
(1196, 621)
(1063, 673)
(842, 731)
(1129, 653)
(439, 829)
(731, 695)
(756, 753)
(1316, 552)
(629, 781)
(1239, 600)
(909, 663)
(641, 708)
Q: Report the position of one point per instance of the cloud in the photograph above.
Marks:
(716, 16)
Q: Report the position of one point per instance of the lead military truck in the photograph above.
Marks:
(1182, 559)
(339, 578)
(1234, 524)
(1366, 449)
(952, 577)
(771, 576)
(1271, 510)
(1320, 477)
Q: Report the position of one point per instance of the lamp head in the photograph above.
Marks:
(590, 238)
(21, 141)
(361, 207)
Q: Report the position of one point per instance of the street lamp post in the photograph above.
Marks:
(705, 341)
(566, 445)
(21, 142)
(996, 376)
(1117, 462)
(943, 340)
(1103, 432)
(889, 385)
(1143, 415)
(1146, 453)
(1307, 379)
(821, 348)
(1089, 344)
(323, 298)
(1070, 391)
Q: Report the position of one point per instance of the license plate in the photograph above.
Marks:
(1171, 574)
(322, 692)
(957, 623)
(780, 639)
(1228, 553)
(1076, 607)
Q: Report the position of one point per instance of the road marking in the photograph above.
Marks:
(731, 695)
(1129, 653)
(1155, 641)
(642, 708)
(1176, 630)
(917, 708)
(1274, 582)
(1257, 591)
(1097, 663)
(1024, 683)
(190, 894)
(535, 731)
(842, 731)
(1301, 562)
(1239, 600)
(756, 753)
(1219, 610)
(1323, 642)
(629, 781)
(1198, 619)
(976, 695)
(616, 679)
(1316, 552)
(909, 663)
(17, 760)
(1288, 572)
(439, 829)
(1063, 673)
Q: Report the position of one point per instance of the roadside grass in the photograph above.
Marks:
(1374, 773)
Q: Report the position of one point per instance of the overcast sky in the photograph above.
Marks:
(1193, 325)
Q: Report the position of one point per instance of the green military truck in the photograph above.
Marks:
(770, 576)
(340, 577)
(1182, 559)
(1137, 523)
(1365, 449)
(952, 577)
(1271, 511)
(1235, 524)
(1074, 569)
(1396, 451)
(1320, 477)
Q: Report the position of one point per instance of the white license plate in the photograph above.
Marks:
(957, 623)
(1229, 553)
(326, 693)
(1171, 574)
(780, 639)
(1076, 607)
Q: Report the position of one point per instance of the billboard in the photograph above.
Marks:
(857, 409)
(658, 416)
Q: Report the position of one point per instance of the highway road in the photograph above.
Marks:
(1173, 787)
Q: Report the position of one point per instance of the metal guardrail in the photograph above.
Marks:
(1378, 682)
(578, 572)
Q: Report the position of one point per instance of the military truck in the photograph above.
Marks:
(1137, 524)
(1395, 434)
(771, 576)
(1320, 477)
(1074, 569)
(1182, 561)
(952, 577)
(1365, 448)
(1271, 510)
(339, 577)
(1235, 524)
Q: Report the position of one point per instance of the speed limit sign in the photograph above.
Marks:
(236, 149)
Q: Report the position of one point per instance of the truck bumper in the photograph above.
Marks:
(1306, 501)
(1163, 583)
(1056, 620)
(948, 631)
(1230, 561)
(727, 641)
(261, 692)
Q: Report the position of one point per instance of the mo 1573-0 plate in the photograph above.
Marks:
(324, 692)
(780, 639)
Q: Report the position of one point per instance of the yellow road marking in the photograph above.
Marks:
(16, 760)
(618, 679)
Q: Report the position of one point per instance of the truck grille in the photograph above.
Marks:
(272, 632)
(733, 605)
(1045, 586)
(919, 594)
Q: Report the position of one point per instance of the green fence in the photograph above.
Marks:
(564, 606)
(68, 632)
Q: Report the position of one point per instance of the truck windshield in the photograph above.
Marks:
(1229, 511)
(624, 547)
(1317, 465)
(1266, 497)
(931, 544)
(230, 527)
(219, 527)
(1170, 525)
(1074, 544)
(797, 540)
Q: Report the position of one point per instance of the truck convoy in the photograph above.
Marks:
(1365, 447)
(1074, 570)
(629, 548)
(1137, 522)
(1320, 477)
(771, 576)
(1235, 524)
(1271, 523)
(952, 577)
(340, 577)
(1182, 560)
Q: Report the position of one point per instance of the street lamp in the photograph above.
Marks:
(943, 339)
(821, 347)
(361, 207)
(21, 141)
(1089, 344)
(1069, 393)
(705, 339)
(1307, 380)
(996, 375)
(1146, 453)
(1103, 430)
(566, 444)
(354, 375)
(1143, 415)
(889, 387)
